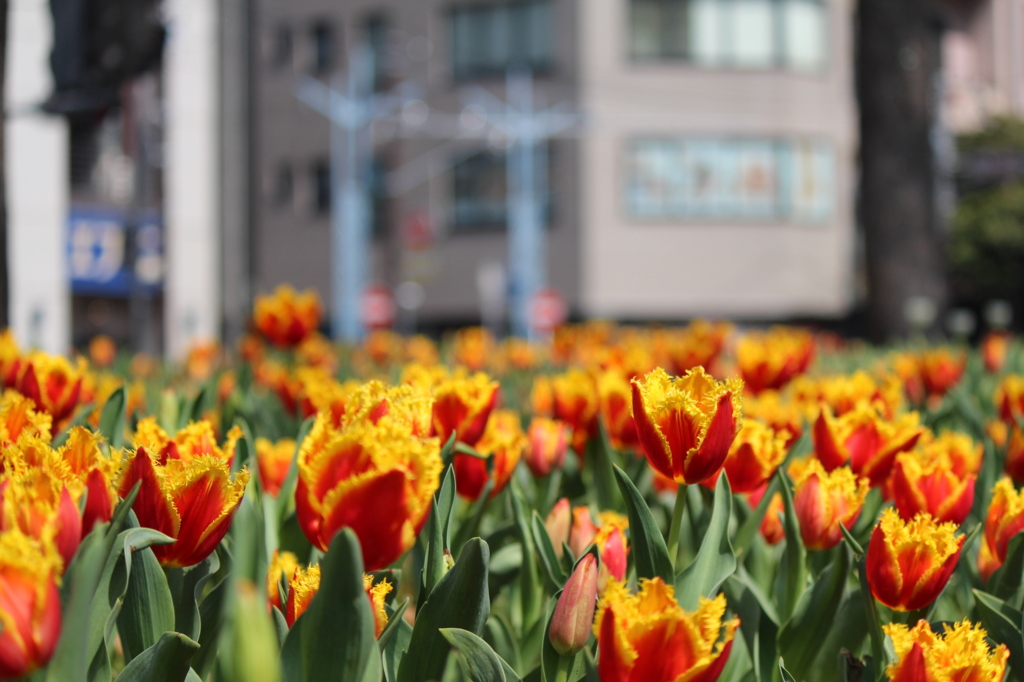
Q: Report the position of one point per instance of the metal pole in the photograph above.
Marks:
(524, 215)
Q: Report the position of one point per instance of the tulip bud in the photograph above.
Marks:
(558, 523)
(583, 530)
(548, 445)
(574, 613)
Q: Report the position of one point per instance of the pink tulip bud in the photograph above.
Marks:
(574, 613)
(558, 523)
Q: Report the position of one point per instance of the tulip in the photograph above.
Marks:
(582, 531)
(941, 370)
(19, 416)
(30, 610)
(575, 402)
(53, 384)
(573, 618)
(864, 440)
(503, 441)
(273, 461)
(542, 396)
(287, 317)
(559, 524)
(938, 477)
(1014, 460)
(647, 637)
(198, 439)
(282, 566)
(960, 653)
(616, 410)
(908, 368)
(770, 360)
(548, 443)
(753, 458)
(1005, 519)
(305, 583)
(471, 346)
(698, 345)
(1009, 398)
(612, 546)
(376, 474)
(102, 351)
(88, 469)
(192, 501)
(823, 500)
(771, 525)
(11, 359)
(994, 349)
(686, 425)
(998, 431)
(909, 562)
(41, 507)
(784, 416)
(462, 405)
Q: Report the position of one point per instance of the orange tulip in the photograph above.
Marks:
(910, 562)
(282, 567)
(771, 525)
(19, 416)
(1005, 519)
(960, 653)
(273, 461)
(647, 637)
(504, 442)
(823, 500)
(994, 349)
(548, 443)
(317, 351)
(941, 370)
(770, 360)
(376, 474)
(287, 317)
(53, 384)
(462, 405)
(30, 611)
(305, 583)
(1009, 398)
(190, 499)
(422, 350)
(202, 359)
(937, 478)
(686, 425)
(471, 346)
(542, 396)
(575, 402)
(753, 458)
(864, 440)
(102, 351)
(615, 400)
(908, 368)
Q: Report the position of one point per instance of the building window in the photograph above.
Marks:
(322, 39)
(376, 31)
(744, 34)
(490, 39)
(321, 185)
(380, 199)
(283, 190)
(281, 47)
(722, 178)
(480, 189)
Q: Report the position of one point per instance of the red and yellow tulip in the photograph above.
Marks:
(547, 446)
(377, 474)
(30, 611)
(575, 402)
(282, 568)
(865, 440)
(462, 405)
(941, 369)
(1005, 519)
(287, 317)
(304, 583)
(648, 637)
(504, 442)
(994, 349)
(53, 384)
(960, 653)
(198, 439)
(753, 458)
(192, 500)
(697, 345)
(770, 360)
(616, 409)
(910, 562)
(937, 478)
(686, 425)
(771, 525)
(274, 460)
(1009, 398)
(823, 500)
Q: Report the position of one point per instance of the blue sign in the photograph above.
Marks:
(97, 252)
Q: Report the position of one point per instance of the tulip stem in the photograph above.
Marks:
(677, 523)
(562, 671)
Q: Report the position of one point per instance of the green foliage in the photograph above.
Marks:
(987, 244)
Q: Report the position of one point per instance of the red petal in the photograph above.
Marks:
(717, 441)
(152, 507)
(310, 521)
(376, 510)
(470, 476)
(832, 456)
(69, 528)
(200, 504)
(98, 505)
(610, 667)
(653, 445)
(883, 572)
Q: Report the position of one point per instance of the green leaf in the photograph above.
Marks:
(715, 560)
(334, 640)
(879, 653)
(393, 621)
(186, 585)
(1007, 583)
(1003, 623)
(815, 613)
(112, 419)
(438, 534)
(484, 665)
(166, 661)
(767, 606)
(546, 553)
(211, 615)
(395, 650)
(148, 609)
(647, 545)
(783, 673)
(793, 571)
(530, 589)
(752, 524)
(286, 497)
(459, 600)
(448, 451)
(602, 457)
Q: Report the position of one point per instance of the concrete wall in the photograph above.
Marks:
(37, 185)
(674, 269)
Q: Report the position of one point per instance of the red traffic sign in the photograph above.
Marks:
(418, 234)
(378, 307)
(547, 310)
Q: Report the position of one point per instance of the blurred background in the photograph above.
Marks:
(426, 164)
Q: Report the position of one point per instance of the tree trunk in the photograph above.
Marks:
(5, 319)
(898, 67)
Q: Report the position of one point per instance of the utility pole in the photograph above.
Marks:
(5, 319)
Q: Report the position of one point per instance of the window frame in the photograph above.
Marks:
(541, 67)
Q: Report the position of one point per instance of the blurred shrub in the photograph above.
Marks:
(1002, 134)
(987, 245)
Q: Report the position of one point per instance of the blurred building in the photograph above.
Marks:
(713, 173)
